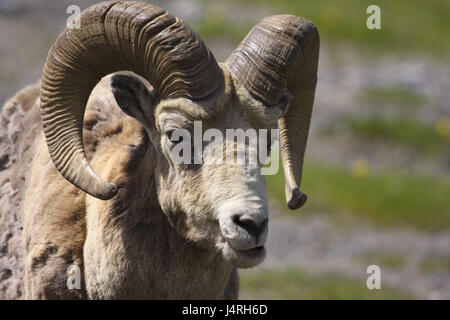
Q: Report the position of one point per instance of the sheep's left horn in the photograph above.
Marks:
(282, 52)
(116, 36)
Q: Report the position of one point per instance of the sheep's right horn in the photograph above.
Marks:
(117, 36)
(282, 52)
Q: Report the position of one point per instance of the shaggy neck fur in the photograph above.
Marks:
(125, 248)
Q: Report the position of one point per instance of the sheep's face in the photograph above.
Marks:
(208, 178)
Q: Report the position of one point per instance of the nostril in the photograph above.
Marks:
(249, 224)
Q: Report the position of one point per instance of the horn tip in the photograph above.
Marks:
(296, 199)
(107, 193)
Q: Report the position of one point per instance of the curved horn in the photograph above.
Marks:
(116, 36)
(282, 52)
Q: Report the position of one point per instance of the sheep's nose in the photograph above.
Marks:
(244, 231)
(254, 227)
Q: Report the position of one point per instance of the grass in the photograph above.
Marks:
(434, 263)
(413, 25)
(402, 131)
(383, 259)
(398, 97)
(388, 198)
(293, 284)
(223, 28)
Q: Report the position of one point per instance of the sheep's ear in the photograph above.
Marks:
(134, 98)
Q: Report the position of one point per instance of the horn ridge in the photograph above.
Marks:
(116, 36)
(281, 52)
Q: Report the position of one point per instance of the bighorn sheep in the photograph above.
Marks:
(158, 229)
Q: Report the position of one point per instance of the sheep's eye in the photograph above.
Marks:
(173, 139)
(169, 134)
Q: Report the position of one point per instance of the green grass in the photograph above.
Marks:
(293, 284)
(414, 25)
(402, 131)
(388, 198)
(223, 28)
(398, 97)
(383, 259)
(434, 263)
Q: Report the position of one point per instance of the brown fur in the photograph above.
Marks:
(147, 257)
(19, 125)
(159, 237)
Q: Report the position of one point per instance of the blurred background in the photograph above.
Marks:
(378, 157)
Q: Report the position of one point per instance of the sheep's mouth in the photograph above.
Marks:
(253, 253)
(245, 258)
